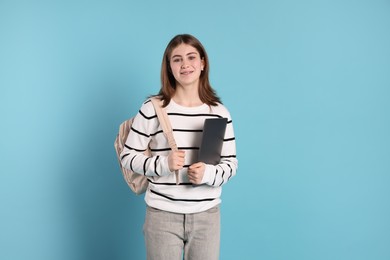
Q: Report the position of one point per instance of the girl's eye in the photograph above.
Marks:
(191, 57)
(176, 60)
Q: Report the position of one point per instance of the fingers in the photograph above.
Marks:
(195, 172)
(196, 165)
(176, 160)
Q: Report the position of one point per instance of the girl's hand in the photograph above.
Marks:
(195, 172)
(176, 160)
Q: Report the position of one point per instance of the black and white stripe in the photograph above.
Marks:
(187, 125)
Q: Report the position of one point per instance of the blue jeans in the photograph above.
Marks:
(170, 235)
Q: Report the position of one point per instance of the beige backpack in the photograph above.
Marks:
(138, 182)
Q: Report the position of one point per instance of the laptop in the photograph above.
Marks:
(212, 140)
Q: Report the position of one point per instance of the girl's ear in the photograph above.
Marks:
(202, 66)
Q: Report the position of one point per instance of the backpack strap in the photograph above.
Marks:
(166, 127)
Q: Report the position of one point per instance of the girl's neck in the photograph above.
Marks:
(187, 97)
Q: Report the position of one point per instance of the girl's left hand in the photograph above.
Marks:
(196, 172)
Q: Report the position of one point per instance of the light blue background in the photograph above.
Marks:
(307, 84)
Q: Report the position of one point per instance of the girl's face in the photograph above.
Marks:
(186, 65)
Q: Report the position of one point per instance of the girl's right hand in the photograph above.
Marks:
(176, 160)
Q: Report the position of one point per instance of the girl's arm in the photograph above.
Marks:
(133, 156)
(217, 175)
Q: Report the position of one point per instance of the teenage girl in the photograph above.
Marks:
(184, 219)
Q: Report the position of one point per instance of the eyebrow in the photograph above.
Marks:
(190, 53)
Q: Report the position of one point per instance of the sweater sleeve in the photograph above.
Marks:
(133, 156)
(218, 175)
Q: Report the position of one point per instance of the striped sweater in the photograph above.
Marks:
(187, 124)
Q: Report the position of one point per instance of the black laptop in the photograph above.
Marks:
(212, 140)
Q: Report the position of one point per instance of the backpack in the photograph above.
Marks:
(138, 183)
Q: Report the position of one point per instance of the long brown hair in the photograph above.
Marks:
(168, 83)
